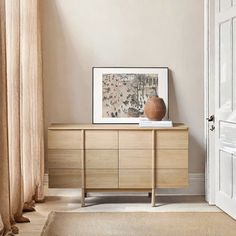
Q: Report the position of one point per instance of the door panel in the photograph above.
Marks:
(234, 176)
(225, 4)
(225, 66)
(234, 63)
(226, 173)
(225, 150)
(227, 133)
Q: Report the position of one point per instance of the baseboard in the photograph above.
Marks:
(196, 187)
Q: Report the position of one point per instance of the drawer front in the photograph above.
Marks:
(135, 139)
(172, 139)
(101, 178)
(101, 159)
(65, 178)
(96, 139)
(135, 178)
(171, 178)
(64, 139)
(59, 158)
(135, 159)
(171, 158)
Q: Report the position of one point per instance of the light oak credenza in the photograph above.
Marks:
(100, 158)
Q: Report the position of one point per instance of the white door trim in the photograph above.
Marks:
(208, 75)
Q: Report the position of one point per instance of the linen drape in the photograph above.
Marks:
(21, 110)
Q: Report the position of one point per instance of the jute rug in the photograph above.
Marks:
(139, 223)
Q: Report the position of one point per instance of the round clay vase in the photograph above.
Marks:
(155, 108)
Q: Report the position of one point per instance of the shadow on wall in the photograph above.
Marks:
(64, 89)
(62, 69)
(174, 114)
(173, 105)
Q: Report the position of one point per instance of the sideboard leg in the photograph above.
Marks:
(153, 198)
(82, 197)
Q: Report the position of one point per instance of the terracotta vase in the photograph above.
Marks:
(155, 108)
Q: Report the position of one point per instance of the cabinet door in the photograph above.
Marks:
(101, 159)
(65, 178)
(172, 139)
(135, 159)
(101, 178)
(135, 178)
(135, 139)
(101, 139)
(64, 158)
(171, 178)
(64, 139)
(171, 158)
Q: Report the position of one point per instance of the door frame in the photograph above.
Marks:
(209, 63)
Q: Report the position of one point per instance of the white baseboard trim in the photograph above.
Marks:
(196, 187)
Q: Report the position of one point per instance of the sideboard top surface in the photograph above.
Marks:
(74, 126)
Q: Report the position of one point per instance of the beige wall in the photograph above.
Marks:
(80, 34)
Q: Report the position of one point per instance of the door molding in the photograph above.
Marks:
(209, 62)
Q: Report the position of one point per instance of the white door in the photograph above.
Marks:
(225, 105)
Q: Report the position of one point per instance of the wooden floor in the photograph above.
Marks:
(112, 203)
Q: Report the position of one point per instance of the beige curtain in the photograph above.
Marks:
(21, 110)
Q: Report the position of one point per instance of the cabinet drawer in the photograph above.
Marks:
(59, 158)
(101, 178)
(171, 178)
(135, 178)
(135, 139)
(135, 159)
(172, 139)
(68, 139)
(96, 139)
(101, 159)
(171, 158)
(65, 178)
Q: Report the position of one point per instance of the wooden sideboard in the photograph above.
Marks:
(117, 157)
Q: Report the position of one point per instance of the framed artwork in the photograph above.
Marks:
(120, 93)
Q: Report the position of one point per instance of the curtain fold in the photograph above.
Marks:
(4, 161)
(21, 111)
(13, 105)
